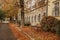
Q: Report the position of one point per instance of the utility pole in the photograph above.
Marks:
(22, 12)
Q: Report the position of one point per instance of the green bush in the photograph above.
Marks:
(2, 15)
(58, 28)
(50, 23)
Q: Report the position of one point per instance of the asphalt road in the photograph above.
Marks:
(5, 33)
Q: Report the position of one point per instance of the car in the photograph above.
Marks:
(5, 21)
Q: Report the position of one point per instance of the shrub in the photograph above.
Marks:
(37, 39)
(27, 24)
(58, 28)
(2, 15)
(50, 23)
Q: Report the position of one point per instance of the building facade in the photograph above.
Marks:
(54, 8)
(36, 9)
(57, 9)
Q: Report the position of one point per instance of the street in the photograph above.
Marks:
(5, 32)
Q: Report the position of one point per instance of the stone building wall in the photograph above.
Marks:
(53, 7)
(34, 17)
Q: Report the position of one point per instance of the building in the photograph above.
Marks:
(35, 10)
(54, 8)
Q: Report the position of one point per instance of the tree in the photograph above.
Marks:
(2, 14)
(50, 24)
(22, 12)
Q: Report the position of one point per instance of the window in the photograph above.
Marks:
(32, 19)
(35, 18)
(29, 18)
(39, 18)
(41, 3)
(44, 14)
(57, 9)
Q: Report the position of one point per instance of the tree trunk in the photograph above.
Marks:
(22, 12)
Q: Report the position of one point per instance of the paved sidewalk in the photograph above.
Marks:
(18, 33)
(27, 33)
(41, 35)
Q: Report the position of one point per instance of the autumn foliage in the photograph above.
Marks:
(50, 24)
